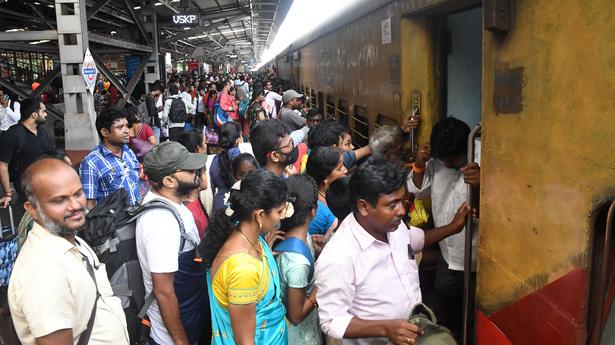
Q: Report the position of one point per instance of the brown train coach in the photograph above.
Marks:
(539, 75)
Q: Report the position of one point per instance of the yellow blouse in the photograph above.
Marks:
(241, 279)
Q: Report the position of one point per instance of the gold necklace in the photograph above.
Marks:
(321, 194)
(250, 242)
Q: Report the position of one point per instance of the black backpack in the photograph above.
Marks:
(111, 232)
(178, 113)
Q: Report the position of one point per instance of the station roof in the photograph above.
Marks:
(228, 30)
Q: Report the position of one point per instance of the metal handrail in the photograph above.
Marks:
(467, 260)
(603, 278)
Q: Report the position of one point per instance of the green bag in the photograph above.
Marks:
(433, 334)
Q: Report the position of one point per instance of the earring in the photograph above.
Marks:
(260, 225)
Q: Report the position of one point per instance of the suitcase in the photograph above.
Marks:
(8, 248)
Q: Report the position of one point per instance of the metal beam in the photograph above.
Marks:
(134, 80)
(52, 76)
(137, 21)
(29, 35)
(201, 30)
(21, 93)
(98, 7)
(50, 24)
(118, 43)
(29, 47)
(109, 75)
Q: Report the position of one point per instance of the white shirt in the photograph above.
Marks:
(359, 276)
(188, 100)
(270, 98)
(158, 240)
(51, 290)
(447, 191)
(167, 108)
(9, 117)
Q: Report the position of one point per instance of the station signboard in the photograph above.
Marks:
(89, 71)
(186, 19)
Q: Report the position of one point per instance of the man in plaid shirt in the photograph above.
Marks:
(112, 164)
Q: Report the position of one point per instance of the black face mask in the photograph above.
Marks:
(291, 157)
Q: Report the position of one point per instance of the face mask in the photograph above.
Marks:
(292, 156)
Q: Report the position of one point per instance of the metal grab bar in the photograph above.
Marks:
(603, 278)
(467, 260)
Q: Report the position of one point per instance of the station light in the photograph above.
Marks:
(137, 7)
(39, 42)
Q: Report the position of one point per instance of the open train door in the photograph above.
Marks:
(444, 47)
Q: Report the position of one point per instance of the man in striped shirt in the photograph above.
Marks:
(112, 164)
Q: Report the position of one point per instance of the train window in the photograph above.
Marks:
(383, 120)
(360, 127)
(308, 99)
(342, 112)
(313, 99)
(330, 108)
(321, 102)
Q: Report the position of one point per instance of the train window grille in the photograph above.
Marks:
(330, 108)
(308, 99)
(321, 102)
(313, 99)
(342, 112)
(383, 120)
(360, 126)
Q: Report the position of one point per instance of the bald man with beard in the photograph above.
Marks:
(58, 285)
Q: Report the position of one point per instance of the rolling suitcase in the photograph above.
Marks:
(8, 249)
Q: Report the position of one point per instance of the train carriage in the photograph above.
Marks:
(539, 76)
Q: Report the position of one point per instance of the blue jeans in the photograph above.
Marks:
(156, 133)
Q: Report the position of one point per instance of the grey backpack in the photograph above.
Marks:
(433, 334)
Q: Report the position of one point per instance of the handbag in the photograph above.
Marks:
(220, 116)
(8, 249)
(139, 146)
(433, 334)
(211, 135)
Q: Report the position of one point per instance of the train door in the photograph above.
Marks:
(463, 68)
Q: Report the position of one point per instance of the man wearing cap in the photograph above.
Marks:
(181, 307)
(290, 113)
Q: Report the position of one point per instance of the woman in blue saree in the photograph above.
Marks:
(243, 279)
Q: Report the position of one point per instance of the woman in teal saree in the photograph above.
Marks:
(243, 278)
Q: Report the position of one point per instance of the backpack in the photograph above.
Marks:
(295, 245)
(243, 105)
(178, 113)
(111, 232)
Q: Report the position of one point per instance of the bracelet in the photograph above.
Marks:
(417, 170)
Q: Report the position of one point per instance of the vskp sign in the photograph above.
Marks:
(186, 19)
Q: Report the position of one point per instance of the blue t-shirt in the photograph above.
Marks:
(323, 220)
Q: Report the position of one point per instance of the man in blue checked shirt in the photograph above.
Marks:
(112, 164)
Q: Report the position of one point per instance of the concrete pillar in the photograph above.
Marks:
(79, 118)
(150, 24)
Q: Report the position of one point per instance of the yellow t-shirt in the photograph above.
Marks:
(241, 279)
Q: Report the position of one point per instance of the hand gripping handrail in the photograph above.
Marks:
(467, 260)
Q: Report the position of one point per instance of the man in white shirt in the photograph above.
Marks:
(180, 312)
(59, 291)
(444, 180)
(271, 97)
(366, 275)
(175, 127)
(9, 111)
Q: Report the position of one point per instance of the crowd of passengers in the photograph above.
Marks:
(304, 238)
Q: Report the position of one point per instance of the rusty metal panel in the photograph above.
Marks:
(497, 15)
(508, 89)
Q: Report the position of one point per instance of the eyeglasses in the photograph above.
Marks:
(290, 143)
